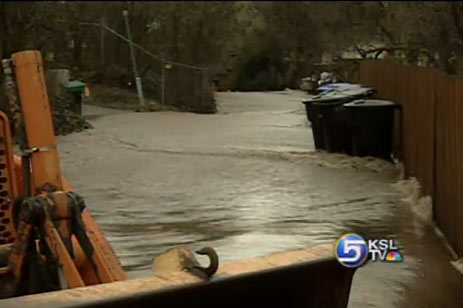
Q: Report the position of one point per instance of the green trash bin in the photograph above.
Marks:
(76, 88)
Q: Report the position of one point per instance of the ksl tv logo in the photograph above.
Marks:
(352, 250)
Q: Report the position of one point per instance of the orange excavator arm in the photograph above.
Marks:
(80, 260)
(17, 165)
(53, 230)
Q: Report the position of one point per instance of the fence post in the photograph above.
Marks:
(203, 92)
(163, 80)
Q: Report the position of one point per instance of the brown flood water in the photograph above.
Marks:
(247, 182)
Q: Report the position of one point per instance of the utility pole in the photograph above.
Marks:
(134, 63)
(156, 26)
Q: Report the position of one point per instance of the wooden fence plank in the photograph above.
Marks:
(432, 134)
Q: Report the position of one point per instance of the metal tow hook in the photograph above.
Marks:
(205, 272)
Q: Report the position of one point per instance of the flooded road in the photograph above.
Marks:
(247, 182)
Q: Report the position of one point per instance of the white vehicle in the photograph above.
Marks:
(327, 77)
(308, 84)
(304, 83)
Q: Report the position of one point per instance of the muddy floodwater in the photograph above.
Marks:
(247, 182)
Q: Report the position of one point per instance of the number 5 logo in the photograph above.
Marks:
(351, 250)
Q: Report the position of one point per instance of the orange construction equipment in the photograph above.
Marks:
(52, 223)
(49, 241)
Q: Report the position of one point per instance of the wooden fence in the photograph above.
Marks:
(432, 144)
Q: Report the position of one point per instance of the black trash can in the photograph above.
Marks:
(371, 124)
(333, 124)
(328, 118)
(313, 116)
(315, 110)
(307, 109)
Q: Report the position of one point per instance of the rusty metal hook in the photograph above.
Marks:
(213, 261)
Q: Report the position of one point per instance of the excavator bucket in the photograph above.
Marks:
(300, 278)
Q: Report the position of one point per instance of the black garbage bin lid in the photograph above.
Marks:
(369, 103)
(329, 100)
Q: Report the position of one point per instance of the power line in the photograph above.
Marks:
(146, 51)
